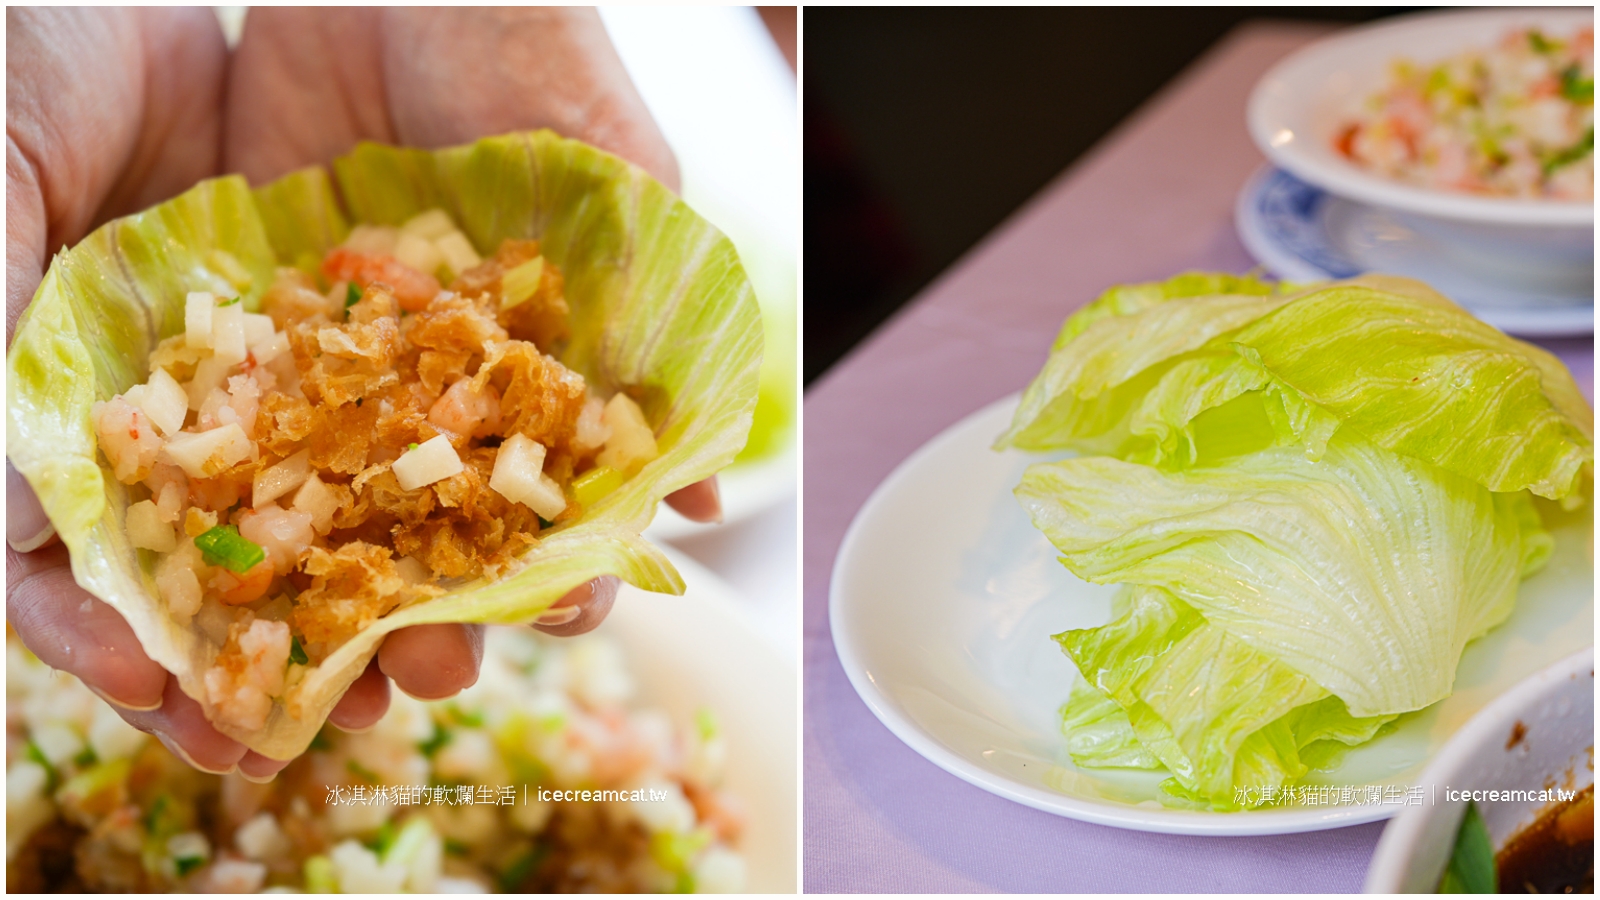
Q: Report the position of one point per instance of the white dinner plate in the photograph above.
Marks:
(944, 597)
(701, 651)
(1303, 233)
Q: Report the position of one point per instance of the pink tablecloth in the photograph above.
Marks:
(1153, 199)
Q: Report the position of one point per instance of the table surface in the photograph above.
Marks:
(1152, 199)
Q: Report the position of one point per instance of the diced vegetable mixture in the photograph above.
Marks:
(1513, 120)
(93, 805)
(369, 436)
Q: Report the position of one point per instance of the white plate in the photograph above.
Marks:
(747, 489)
(700, 650)
(1303, 233)
(944, 597)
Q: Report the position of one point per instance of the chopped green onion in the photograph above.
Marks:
(319, 876)
(362, 772)
(1575, 87)
(1572, 154)
(153, 818)
(435, 743)
(52, 777)
(455, 847)
(411, 446)
(521, 282)
(1471, 868)
(187, 864)
(352, 295)
(222, 546)
(231, 301)
(544, 523)
(385, 839)
(471, 720)
(1541, 44)
(706, 721)
(84, 758)
(594, 485)
(321, 742)
(297, 653)
(521, 868)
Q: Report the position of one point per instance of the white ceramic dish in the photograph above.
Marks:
(699, 650)
(1300, 104)
(1538, 735)
(944, 597)
(1303, 233)
(747, 490)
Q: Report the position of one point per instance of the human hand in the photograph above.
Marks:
(110, 112)
(307, 84)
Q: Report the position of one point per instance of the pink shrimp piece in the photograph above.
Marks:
(411, 288)
(237, 589)
(461, 410)
(127, 437)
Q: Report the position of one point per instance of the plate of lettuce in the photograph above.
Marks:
(1239, 560)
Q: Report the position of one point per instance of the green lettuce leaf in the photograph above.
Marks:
(1394, 562)
(660, 304)
(1168, 688)
(1384, 356)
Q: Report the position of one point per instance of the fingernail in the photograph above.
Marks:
(27, 527)
(356, 730)
(253, 779)
(179, 752)
(122, 704)
(561, 615)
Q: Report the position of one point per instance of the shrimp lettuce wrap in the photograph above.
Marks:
(273, 426)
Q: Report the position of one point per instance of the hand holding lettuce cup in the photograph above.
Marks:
(659, 315)
(1313, 498)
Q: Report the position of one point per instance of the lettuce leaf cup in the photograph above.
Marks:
(658, 328)
(1314, 498)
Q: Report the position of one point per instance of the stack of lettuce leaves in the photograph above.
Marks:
(1313, 498)
(659, 304)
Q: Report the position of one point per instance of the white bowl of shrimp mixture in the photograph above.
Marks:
(1474, 129)
(93, 805)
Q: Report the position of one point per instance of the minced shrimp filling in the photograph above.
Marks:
(396, 420)
(1516, 119)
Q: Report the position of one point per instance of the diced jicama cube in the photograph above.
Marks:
(430, 461)
(458, 252)
(519, 477)
(419, 253)
(519, 284)
(271, 348)
(317, 499)
(591, 431)
(227, 332)
(270, 484)
(164, 401)
(632, 442)
(435, 223)
(412, 570)
(257, 328)
(197, 313)
(378, 240)
(147, 530)
(209, 375)
(209, 452)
